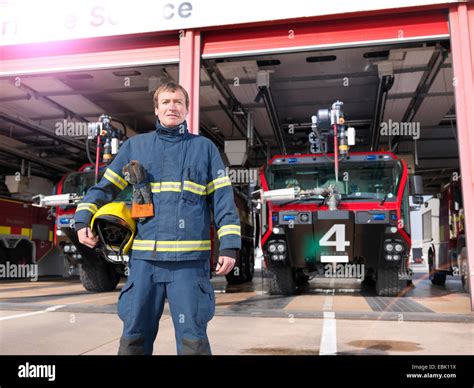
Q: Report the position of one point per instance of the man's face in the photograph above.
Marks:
(171, 109)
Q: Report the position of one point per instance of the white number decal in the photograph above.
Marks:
(340, 243)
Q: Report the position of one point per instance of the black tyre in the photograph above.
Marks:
(283, 281)
(388, 282)
(437, 278)
(98, 276)
(250, 268)
(236, 276)
(4, 255)
(244, 268)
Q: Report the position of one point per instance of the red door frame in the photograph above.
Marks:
(189, 73)
(461, 19)
(309, 35)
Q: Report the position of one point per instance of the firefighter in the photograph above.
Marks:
(170, 253)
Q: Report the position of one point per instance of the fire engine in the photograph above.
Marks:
(26, 232)
(325, 210)
(445, 236)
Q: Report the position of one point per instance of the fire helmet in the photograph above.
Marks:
(115, 227)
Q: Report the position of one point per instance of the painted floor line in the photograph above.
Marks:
(47, 310)
(328, 346)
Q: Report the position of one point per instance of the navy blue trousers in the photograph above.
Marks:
(188, 289)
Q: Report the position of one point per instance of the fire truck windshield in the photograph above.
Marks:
(80, 182)
(360, 180)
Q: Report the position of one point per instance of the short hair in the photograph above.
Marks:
(170, 86)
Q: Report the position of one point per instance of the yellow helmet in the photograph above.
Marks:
(115, 227)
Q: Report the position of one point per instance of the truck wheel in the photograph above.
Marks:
(283, 281)
(464, 270)
(388, 282)
(237, 275)
(437, 278)
(243, 271)
(98, 276)
(250, 269)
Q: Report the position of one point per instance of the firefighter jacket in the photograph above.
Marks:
(188, 181)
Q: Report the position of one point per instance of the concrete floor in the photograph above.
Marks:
(58, 317)
(58, 333)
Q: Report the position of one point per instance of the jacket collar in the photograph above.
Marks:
(172, 134)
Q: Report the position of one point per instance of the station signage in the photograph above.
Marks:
(36, 21)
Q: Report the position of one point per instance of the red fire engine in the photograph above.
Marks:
(336, 214)
(26, 232)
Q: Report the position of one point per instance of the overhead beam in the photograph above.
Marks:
(32, 126)
(42, 162)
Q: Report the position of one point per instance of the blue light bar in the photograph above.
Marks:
(274, 218)
(64, 221)
(378, 217)
(293, 160)
(289, 217)
(371, 157)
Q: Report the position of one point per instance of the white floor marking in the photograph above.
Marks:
(49, 309)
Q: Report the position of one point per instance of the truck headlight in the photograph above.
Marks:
(398, 247)
(389, 257)
(389, 247)
(73, 249)
(67, 248)
(304, 217)
(272, 248)
(396, 257)
(281, 248)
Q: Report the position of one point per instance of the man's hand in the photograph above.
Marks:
(86, 237)
(224, 265)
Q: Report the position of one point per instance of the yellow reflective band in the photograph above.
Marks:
(171, 186)
(143, 245)
(217, 184)
(228, 229)
(116, 179)
(229, 232)
(26, 232)
(158, 187)
(172, 246)
(91, 207)
(194, 188)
